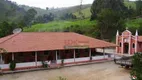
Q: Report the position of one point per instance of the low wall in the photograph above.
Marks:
(39, 63)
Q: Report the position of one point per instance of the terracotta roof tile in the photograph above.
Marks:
(140, 38)
(40, 41)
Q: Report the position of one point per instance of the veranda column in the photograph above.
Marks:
(56, 56)
(122, 45)
(129, 44)
(74, 55)
(36, 59)
(1, 58)
(90, 54)
(12, 56)
(117, 42)
(104, 52)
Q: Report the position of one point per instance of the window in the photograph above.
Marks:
(67, 51)
(133, 45)
(76, 51)
(33, 53)
(86, 50)
(120, 44)
(46, 52)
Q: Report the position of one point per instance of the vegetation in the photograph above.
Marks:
(62, 62)
(108, 22)
(9, 11)
(61, 78)
(115, 5)
(12, 65)
(139, 7)
(44, 19)
(6, 28)
(44, 64)
(33, 19)
(29, 17)
(137, 66)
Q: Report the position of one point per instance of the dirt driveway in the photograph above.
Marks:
(100, 71)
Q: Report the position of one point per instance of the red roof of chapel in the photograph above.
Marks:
(40, 41)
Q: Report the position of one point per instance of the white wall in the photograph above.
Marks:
(4, 66)
(20, 65)
(39, 63)
(27, 64)
(82, 59)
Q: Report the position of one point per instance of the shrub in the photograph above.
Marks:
(61, 78)
(137, 66)
(62, 62)
(12, 65)
(44, 64)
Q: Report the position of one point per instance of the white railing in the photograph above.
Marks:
(39, 63)
(27, 64)
(82, 59)
(66, 61)
(20, 65)
(4, 66)
(69, 60)
(97, 57)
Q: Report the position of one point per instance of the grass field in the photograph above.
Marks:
(134, 23)
(59, 25)
(86, 23)
(86, 12)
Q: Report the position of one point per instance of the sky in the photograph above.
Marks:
(52, 3)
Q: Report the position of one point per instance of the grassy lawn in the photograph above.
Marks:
(58, 25)
(134, 23)
(86, 12)
(86, 23)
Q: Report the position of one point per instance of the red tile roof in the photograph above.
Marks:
(140, 38)
(40, 41)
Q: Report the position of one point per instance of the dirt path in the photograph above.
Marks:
(101, 71)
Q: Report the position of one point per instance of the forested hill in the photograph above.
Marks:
(58, 12)
(10, 11)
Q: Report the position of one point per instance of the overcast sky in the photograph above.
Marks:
(52, 3)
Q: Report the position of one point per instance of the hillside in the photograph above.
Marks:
(59, 25)
(58, 12)
(10, 11)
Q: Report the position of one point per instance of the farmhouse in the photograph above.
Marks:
(128, 43)
(29, 49)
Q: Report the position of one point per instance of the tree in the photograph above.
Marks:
(47, 8)
(139, 7)
(116, 5)
(137, 66)
(5, 29)
(45, 18)
(68, 16)
(108, 21)
(29, 17)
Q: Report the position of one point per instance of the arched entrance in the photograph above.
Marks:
(126, 48)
